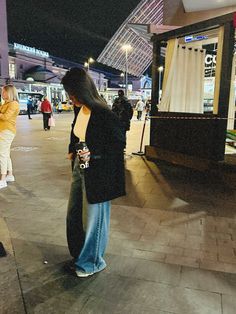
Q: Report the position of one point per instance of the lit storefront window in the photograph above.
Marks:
(12, 70)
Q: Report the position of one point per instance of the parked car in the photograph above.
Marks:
(67, 106)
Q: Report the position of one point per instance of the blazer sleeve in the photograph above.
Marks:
(115, 132)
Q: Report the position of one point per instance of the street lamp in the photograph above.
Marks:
(126, 48)
(86, 63)
(160, 70)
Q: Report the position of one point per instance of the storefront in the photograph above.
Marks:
(182, 126)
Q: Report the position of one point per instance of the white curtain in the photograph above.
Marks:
(185, 82)
(231, 113)
(170, 61)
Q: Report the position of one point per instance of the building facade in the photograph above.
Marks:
(33, 70)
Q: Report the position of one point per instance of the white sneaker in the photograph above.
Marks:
(82, 274)
(10, 178)
(3, 184)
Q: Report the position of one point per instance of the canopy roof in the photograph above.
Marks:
(135, 32)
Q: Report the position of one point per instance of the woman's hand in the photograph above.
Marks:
(84, 155)
(70, 156)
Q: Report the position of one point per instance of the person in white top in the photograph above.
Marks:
(98, 173)
(140, 107)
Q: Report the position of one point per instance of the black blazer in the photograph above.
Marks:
(105, 177)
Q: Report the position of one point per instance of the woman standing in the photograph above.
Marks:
(46, 110)
(9, 110)
(98, 174)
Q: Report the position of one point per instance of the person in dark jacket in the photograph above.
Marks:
(99, 130)
(29, 106)
(123, 109)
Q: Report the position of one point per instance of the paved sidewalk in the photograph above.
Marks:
(172, 244)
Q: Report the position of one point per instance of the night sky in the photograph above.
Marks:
(71, 29)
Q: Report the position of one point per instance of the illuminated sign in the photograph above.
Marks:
(210, 60)
(31, 50)
(191, 38)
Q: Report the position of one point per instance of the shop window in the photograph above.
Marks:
(12, 70)
(190, 87)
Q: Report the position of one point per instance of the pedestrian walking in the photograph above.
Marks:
(29, 106)
(139, 107)
(34, 104)
(46, 110)
(9, 111)
(98, 174)
(124, 111)
(148, 108)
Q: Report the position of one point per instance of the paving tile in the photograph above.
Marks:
(156, 202)
(150, 228)
(96, 305)
(119, 250)
(65, 303)
(227, 259)
(230, 268)
(211, 281)
(160, 296)
(200, 254)
(209, 247)
(157, 271)
(140, 245)
(182, 260)
(10, 294)
(158, 239)
(226, 254)
(125, 235)
(177, 239)
(121, 265)
(167, 249)
(212, 265)
(148, 255)
(226, 243)
(228, 304)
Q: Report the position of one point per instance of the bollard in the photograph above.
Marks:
(2, 250)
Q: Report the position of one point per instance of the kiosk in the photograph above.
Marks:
(190, 138)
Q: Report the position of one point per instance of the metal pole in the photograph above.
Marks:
(126, 72)
(140, 152)
(160, 87)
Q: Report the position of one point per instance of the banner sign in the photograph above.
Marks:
(191, 38)
(31, 50)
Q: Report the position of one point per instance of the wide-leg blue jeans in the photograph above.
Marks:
(96, 225)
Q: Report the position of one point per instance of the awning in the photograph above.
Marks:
(135, 32)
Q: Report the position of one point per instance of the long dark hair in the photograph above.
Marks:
(78, 83)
